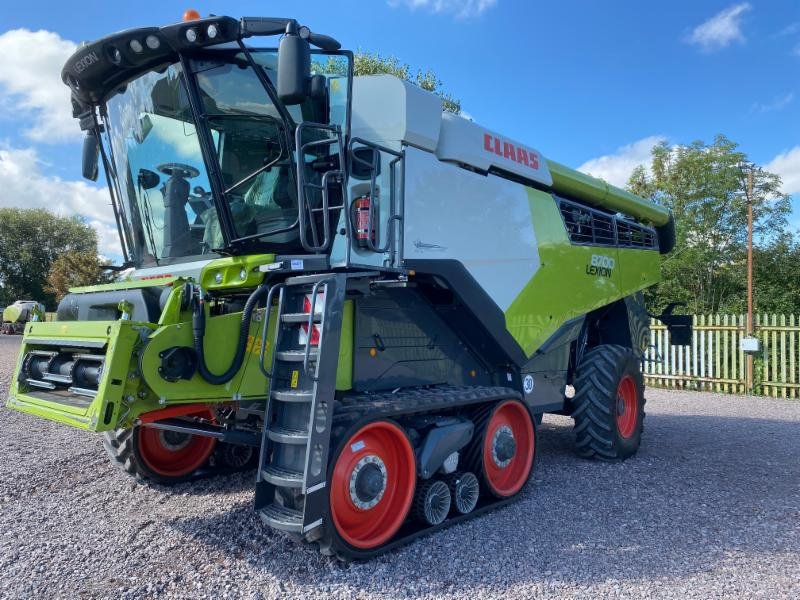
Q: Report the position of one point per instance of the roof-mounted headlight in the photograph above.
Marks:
(114, 54)
(213, 31)
(191, 35)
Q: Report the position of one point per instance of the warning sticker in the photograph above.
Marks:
(295, 378)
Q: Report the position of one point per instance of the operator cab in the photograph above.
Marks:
(199, 132)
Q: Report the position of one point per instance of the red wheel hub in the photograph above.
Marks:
(373, 484)
(173, 454)
(627, 407)
(508, 448)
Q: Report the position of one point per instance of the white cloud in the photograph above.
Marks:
(787, 165)
(31, 86)
(720, 30)
(617, 168)
(24, 184)
(790, 29)
(777, 103)
(460, 8)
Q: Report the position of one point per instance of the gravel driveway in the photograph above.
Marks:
(710, 507)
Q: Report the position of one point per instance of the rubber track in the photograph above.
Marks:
(594, 401)
(356, 411)
(473, 455)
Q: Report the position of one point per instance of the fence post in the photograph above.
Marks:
(792, 351)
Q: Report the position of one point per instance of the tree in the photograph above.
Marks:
(74, 269)
(368, 63)
(776, 279)
(704, 185)
(30, 240)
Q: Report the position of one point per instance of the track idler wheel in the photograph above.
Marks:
(372, 484)
(504, 447)
(465, 490)
(432, 502)
(235, 457)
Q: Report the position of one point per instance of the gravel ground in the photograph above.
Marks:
(710, 507)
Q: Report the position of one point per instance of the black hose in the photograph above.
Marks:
(199, 330)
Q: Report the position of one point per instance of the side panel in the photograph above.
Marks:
(482, 221)
(400, 341)
(567, 286)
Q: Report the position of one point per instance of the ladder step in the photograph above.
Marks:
(295, 355)
(280, 517)
(300, 318)
(282, 477)
(292, 395)
(287, 436)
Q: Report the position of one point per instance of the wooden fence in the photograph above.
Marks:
(715, 363)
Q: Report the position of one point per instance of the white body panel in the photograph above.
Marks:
(387, 110)
(452, 213)
(468, 143)
(449, 211)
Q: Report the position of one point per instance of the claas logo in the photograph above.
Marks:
(508, 150)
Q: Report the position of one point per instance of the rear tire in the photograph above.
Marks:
(608, 407)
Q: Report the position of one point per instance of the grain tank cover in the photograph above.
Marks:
(467, 143)
(388, 110)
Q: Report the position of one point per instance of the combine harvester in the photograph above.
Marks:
(373, 300)
(16, 315)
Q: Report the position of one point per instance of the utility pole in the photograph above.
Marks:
(749, 366)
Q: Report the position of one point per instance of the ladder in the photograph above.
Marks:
(292, 468)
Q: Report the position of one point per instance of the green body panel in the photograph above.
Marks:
(119, 385)
(172, 311)
(562, 287)
(344, 371)
(222, 336)
(226, 273)
(598, 192)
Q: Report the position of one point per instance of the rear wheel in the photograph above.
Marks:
(608, 407)
(372, 484)
(157, 455)
(504, 447)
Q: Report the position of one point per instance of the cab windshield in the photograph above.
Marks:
(162, 176)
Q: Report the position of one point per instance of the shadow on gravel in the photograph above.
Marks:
(701, 489)
(210, 482)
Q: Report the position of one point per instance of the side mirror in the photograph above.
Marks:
(91, 152)
(678, 326)
(294, 66)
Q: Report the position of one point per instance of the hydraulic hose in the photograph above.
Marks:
(199, 330)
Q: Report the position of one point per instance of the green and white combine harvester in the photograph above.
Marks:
(368, 299)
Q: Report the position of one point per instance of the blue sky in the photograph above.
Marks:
(590, 84)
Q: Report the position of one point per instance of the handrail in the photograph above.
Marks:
(304, 209)
(373, 166)
(265, 328)
(307, 354)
